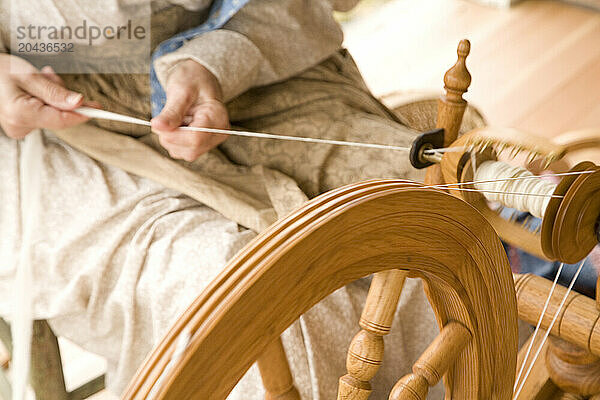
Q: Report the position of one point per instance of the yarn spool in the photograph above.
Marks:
(570, 210)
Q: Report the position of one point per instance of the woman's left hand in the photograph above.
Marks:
(193, 98)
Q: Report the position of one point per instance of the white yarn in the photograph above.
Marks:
(506, 190)
(22, 318)
(111, 116)
(537, 327)
(545, 337)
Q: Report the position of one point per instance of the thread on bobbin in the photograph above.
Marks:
(506, 191)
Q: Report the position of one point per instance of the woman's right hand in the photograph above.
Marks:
(32, 99)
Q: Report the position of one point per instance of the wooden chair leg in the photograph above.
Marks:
(46, 375)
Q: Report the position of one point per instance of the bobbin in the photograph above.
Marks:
(570, 226)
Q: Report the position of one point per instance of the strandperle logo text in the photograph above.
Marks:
(83, 32)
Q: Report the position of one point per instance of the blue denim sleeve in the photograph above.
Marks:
(220, 12)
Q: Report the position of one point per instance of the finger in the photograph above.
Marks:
(51, 92)
(45, 116)
(201, 119)
(185, 138)
(197, 142)
(181, 152)
(180, 98)
(194, 139)
(49, 73)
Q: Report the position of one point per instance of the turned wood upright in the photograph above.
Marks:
(365, 354)
(451, 105)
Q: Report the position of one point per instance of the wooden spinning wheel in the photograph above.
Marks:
(337, 238)
(394, 229)
(570, 362)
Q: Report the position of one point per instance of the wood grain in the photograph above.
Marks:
(578, 320)
(334, 239)
(573, 369)
(433, 363)
(365, 354)
(538, 385)
(275, 373)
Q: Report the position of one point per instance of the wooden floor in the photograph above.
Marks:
(535, 66)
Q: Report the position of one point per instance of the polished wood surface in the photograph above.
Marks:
(433, 363)
(275, 373)
(365, 354)
(577, 321)
(334, 239)
(538, 385)
(573, 369)
(451, 106)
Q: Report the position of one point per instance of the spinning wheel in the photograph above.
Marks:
(570, 213)
(336, 238)
(394, 229)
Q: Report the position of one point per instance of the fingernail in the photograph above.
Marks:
(74, 98)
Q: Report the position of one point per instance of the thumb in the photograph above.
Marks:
(180, 98)
(51, 92)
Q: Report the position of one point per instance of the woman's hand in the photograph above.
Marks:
(193, 98)
(32, 99)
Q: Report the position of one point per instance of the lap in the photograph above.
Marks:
(117, 257)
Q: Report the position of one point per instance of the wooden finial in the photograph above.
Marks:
(452, 106)
(457, 79)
